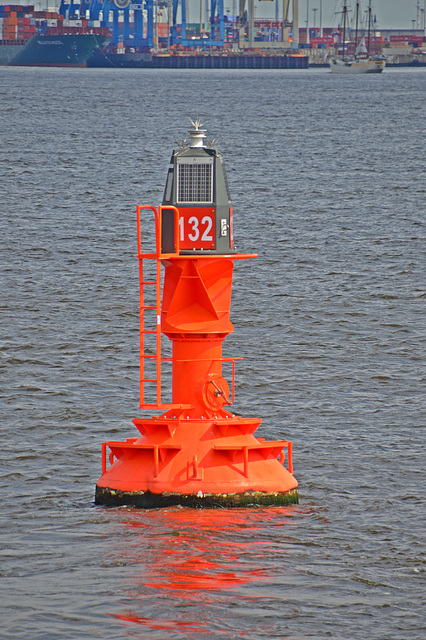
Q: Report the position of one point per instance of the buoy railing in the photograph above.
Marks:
(232, 450)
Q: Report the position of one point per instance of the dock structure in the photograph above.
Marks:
(164, 24)
(286, 41)
(242, 60)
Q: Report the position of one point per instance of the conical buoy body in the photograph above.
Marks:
(197, 462)
(197, 453)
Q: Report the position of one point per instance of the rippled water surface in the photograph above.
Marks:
(327, 176)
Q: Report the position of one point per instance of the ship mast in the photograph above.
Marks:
(345, 9)
(369, 27)
(356, 25)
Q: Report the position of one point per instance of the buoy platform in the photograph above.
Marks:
(197, 462)
(196, 453)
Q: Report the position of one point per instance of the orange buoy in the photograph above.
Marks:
(197, 453)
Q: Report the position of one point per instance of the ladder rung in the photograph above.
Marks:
(149, 380)
(149, 283)
(149, 331)
(149, 307)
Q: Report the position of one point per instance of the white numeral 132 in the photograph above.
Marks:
(195, 231)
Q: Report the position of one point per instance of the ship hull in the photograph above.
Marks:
(357, 66)
(53, 50)
(8, 51)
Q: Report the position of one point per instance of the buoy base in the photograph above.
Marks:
(197, 462)
(149, 500)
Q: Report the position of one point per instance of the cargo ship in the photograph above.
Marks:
(46, 38)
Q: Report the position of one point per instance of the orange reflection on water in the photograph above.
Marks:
(161, 624)
(188, 560)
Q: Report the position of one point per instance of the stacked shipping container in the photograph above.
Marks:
(415, 41)
(18, 23)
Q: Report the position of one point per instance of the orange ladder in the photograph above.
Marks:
(158, 256)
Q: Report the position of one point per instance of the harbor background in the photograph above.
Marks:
(158, 34)
(327, 178)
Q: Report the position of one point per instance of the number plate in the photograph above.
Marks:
(197, 228)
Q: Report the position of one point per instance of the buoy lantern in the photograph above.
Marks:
(196, 453)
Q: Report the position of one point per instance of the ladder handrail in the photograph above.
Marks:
(176, 233)
(159, 255)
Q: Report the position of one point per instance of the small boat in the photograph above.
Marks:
(361, 62)
(357, 65)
